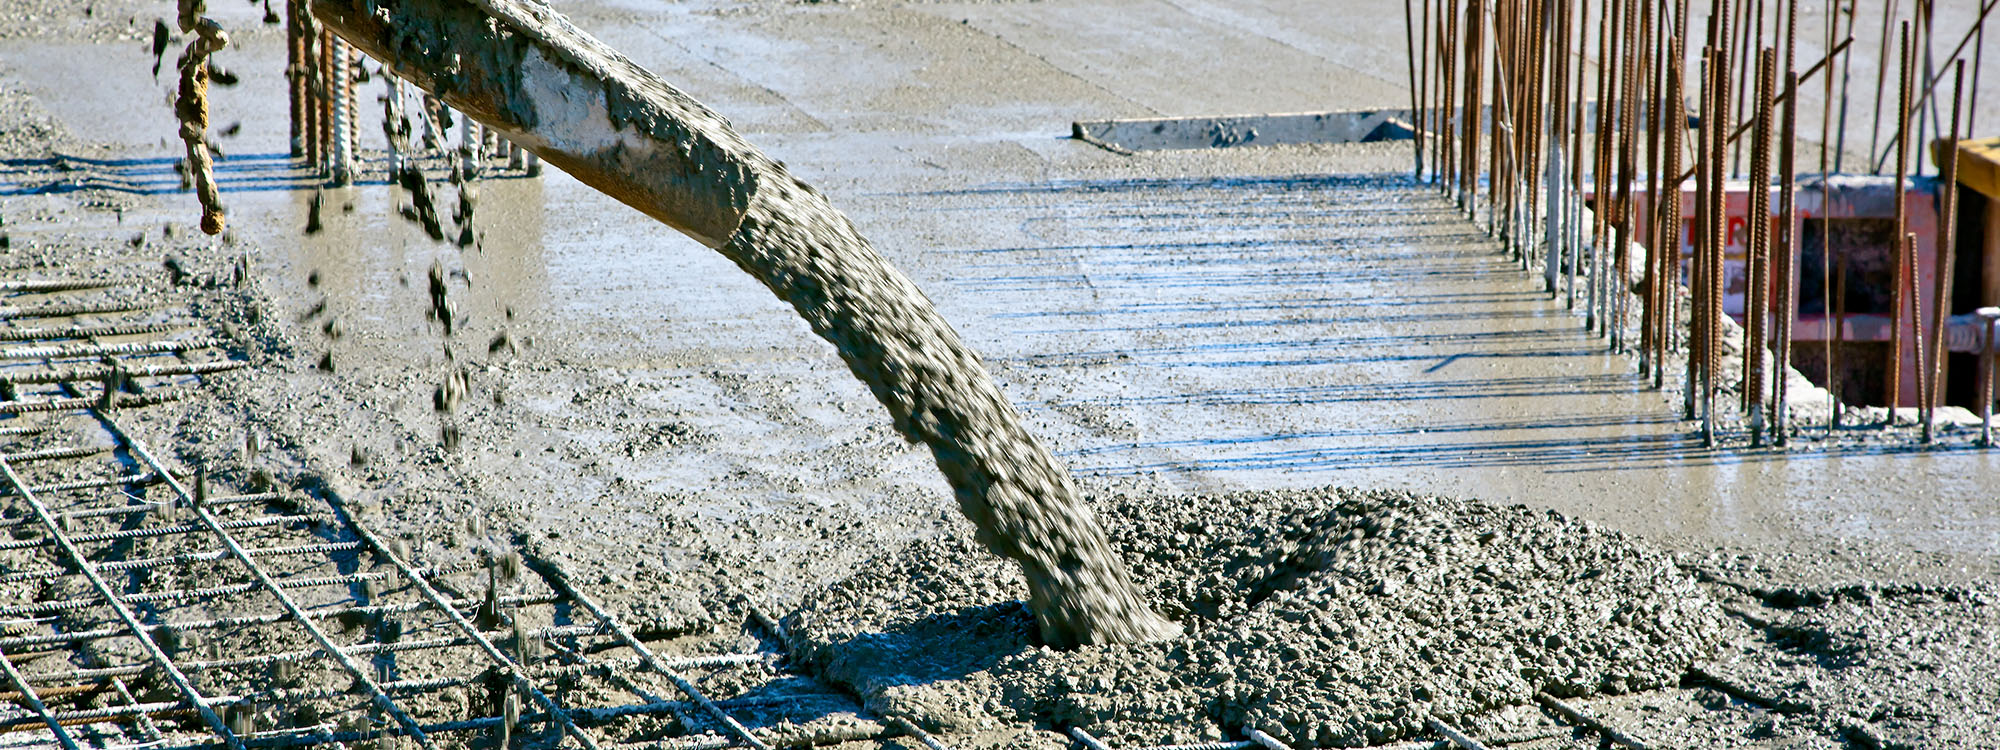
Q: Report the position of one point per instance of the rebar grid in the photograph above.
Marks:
(110, 597)
(55, 530)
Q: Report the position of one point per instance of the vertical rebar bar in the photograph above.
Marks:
(1788, 248)
(1832, 328)
(327, 84)
(1454, 112)
(294, 77)
(1928, 74)
(1637, 100)
(1757, 297)
(1552, 225)
(1600, 172)
(1676, 110)
(1945, 272)
(1575, 243)
(1423, 98)
(1742, 53)
(1697, 354)
(1916, 319)
(1697, 359)
(1718, 217)
(1881, 79)
(1474, 52)
(1893, 380)
(349, 86)
(1651, 338)
(309, 86)
(1978, 56)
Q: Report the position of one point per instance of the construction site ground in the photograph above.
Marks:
(1171, 323)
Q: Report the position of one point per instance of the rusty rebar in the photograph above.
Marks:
(1947, 253)
(1473, 50)
(1676, 105)
(1573, 257)
(1697, 349)
(1718, 245)
(293, 97)
(323, 84)
(1924, 94)
(1833, 331)
(1893, 379)
(1978, 62)
(1626, 172)
(1422, 114)
(1652, 339)
(1741, 52)
(1881, 80)
(1914, 283)
(1787, 254)
(1416, 108)
(1607, 79)
(1453, 113)
(1757, 298)
(35, 704)
(1576, 716)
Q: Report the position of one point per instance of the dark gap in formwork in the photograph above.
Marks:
(1326, 618)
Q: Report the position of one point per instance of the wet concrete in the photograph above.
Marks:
(1325, 618)
(1215, 321)
(1173, 323)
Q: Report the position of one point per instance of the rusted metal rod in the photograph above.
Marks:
(9, 312)
(1924, 95)
(1893, 379)
(1451, 733)
(42, 713)
(1786, 96)
(1416, 106)
(1757, 299)
(1788, 257)
(182, 559)
(1914, 293)
(1947, 254)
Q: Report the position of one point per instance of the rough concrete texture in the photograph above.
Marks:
(1324, 617)
(1199, 321)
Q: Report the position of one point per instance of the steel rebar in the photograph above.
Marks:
(83, 563)
(1893, 379)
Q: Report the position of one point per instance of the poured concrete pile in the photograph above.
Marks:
(1324, 617)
